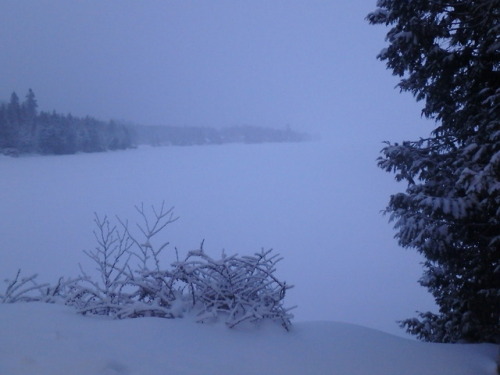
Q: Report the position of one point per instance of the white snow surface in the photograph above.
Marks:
(318, 204)
(44, 339)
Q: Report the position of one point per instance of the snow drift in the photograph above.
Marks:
(45, 339)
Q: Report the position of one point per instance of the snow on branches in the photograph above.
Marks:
(131, 282)
(447, 55)
(238, 288)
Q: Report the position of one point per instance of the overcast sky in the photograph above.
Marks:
(309, 64)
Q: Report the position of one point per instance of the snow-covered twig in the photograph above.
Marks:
(233, 288)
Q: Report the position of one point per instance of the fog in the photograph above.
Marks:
(307, 64)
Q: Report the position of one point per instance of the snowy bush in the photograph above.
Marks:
(133, 284)
(239, 288)
(22, 290)
(26, 289)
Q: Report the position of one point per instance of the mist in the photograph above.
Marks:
(310, 65)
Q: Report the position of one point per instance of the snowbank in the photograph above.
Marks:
(43, 339)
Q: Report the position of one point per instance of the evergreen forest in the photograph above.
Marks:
(26, 130)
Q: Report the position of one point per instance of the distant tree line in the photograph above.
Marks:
(188, 135)
(23, 130)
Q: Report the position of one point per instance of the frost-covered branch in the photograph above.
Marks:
(147, 251)
(234, 289)
(238, 288)
(26, 289)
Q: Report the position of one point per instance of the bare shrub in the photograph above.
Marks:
(133, 284)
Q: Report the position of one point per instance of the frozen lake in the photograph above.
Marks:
(316, 203)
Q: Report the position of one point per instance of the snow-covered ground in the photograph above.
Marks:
(43, 339)
(318, 204)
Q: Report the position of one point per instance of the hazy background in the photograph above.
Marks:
(308, 64)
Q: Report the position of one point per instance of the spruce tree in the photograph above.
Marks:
(447, 54)
(30, 105)
(4, 127)
(27, 125)
(12, 122)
